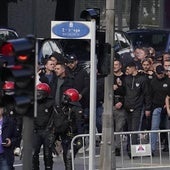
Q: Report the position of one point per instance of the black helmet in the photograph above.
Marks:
(43, 90)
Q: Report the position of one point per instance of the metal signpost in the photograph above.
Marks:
(82, 30)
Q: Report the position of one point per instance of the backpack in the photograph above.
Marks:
(61, 120)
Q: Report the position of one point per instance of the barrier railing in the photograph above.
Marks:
(140, 157)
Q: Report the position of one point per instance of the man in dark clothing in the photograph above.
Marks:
(160, 87)
(136, 95)
(119, 114)
(8, 92)
(8, 138)
(47, 74)
(81, 77)
(81, 83)
(41, 132)
(63, 82)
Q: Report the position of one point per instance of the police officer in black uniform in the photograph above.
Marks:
(43, 135)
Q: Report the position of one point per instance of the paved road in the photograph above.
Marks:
(59, 165)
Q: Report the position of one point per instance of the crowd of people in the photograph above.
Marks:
(141, 96)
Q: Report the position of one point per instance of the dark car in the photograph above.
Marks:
(159, 39)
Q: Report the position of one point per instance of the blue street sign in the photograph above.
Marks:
(71, 29)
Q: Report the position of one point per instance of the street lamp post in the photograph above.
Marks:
(107, 156)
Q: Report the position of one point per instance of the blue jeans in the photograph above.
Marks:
(3, 163)
(156, 118)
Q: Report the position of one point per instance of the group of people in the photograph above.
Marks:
(141, 96)
(62, 92)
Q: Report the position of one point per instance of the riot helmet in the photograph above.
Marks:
(71, 95)
(8, 88)
(43, 90)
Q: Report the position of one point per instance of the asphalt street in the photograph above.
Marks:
(79, 162)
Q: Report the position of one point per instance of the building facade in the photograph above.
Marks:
(35, 16)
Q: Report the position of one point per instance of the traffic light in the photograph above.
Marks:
(22, 52)
(91, 13)
(105, 63)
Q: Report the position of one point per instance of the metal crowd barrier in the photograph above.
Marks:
(141, 154)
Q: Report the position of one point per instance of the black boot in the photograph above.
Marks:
(68, 160)
(48, 159)
(35, 162)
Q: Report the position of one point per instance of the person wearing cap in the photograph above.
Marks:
(136, 96)
(159, 88)
(81, 82)
(8, 138)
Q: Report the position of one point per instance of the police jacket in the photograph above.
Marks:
(81, 79)
(81, 83)
(44, 111)
(9, 131)
(159, 90)
(136, 92)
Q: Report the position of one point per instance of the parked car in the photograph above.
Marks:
(46, 47)
(7, 34)
(159, 39)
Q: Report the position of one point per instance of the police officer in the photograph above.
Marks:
(64, 82)
(43, 135)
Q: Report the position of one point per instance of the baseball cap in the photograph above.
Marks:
(160, 69)
(71, 58)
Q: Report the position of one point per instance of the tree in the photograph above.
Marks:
(134, 14)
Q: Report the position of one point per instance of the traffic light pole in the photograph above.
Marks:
(27, 142)
(107, 156)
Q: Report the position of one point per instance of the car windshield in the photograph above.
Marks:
(7, 35)
(156, 40)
